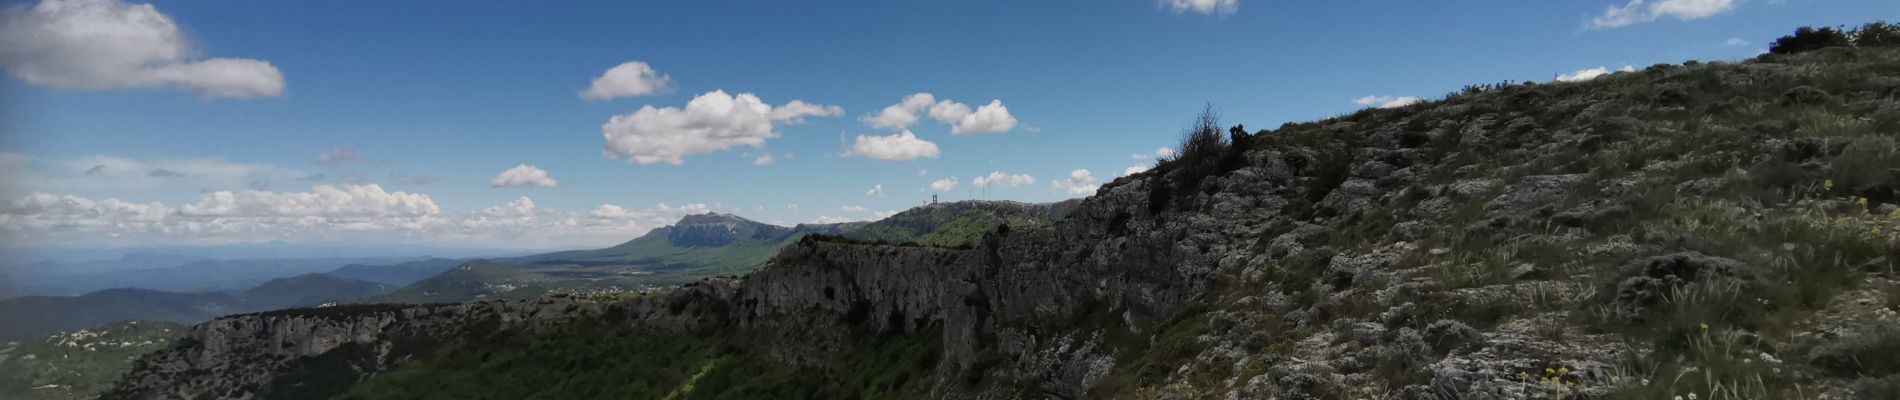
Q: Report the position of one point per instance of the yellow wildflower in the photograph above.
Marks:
(1829, 184)
(1705, 326)
(1895, 213)
(1548, 371)
(1523, 375)
(1563, 370)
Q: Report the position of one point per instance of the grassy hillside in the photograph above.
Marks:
(1724, 230)
(79, 364)
(958, 224)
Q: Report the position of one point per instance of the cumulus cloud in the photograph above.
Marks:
(763, 160)
(1641, 11)
(1136, 169)
(629, 79)
(923, 172)
(944, 185)
(876, 191)
(340, 156)
(990, 118)
(1003, 179)
(714, 121)
(1079, 183)
(1222, 7)
(524, 175)
(1735, 42)
(854, 208)
(1386, 101)
(364, 213)
(903, 146)
(113, 45)
(902, 114)
(1590, 73)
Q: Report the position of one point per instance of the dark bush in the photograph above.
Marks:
(1644, 284)
(1877, 34)
(1809, 39)
(1873, 351)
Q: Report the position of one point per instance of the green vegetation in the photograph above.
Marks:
(954, 225)
(601, 361)
(79, 364)
(1875, 34)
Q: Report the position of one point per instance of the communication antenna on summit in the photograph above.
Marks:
(933, 198)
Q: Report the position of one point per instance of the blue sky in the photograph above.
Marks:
(436, 99)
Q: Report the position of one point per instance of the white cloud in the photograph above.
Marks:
(990, 118)
(1080, 183)
(1136, 169)
(1223, 7)
(1735, 42)
(792, 206)
(524, 175)
(629, 79)
(1160, 153)
(1386, 101)
(923, 172)
(1003, 179)
(902, 114)
(1590, 73)
(112, 45)
(876, 191)
(944, 185)
(855, 209)
(1641, 11)
(340, 156)
(327, 214)
(763, 160)
(903, 146)
(714, 121)
(367, 201)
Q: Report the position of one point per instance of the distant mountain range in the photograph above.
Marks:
(33, 316)
(186, 289)
(706, 245)
(176, 273)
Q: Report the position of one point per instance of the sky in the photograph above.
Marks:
(525, 125)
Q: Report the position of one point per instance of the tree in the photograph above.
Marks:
(1809, 39)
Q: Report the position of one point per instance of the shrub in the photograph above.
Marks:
(1873, 351)
(1809, 39)
(1877, 34)
(1646, 283)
